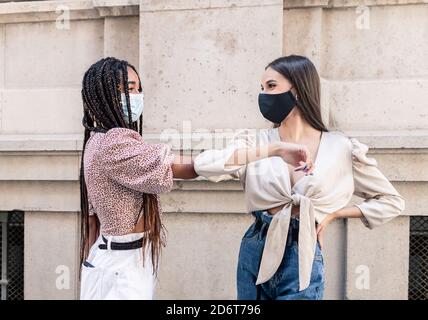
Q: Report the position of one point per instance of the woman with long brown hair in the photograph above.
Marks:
(281, 253)
(121, 178)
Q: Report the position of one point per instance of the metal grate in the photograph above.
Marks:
(12, 255)
(418, 261)
(2, 275)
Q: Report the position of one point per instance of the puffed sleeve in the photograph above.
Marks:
(211, 164)
(382, 201)
(135, 164)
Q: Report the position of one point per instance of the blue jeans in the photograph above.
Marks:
(284, 284)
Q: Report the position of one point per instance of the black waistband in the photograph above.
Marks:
(122, 245)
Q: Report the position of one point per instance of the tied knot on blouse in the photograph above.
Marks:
(276, 193)
(342, 169)
(276, 240)
(296, 199)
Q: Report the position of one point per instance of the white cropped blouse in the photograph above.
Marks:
(342, 169)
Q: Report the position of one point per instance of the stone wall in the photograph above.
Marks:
(201, 62)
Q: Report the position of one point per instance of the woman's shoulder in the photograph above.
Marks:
(117, 140)
(345, 139)
(339, 138)
(354, 147)
(120, 135)
(122, 132)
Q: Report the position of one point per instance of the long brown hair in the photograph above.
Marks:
(303, 75)
(102, 111)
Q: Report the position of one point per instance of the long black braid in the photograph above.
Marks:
(102, 111)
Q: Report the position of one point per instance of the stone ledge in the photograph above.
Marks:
(29, 11)
(411, 140)
(18, 12)
(40, 143)
(299, 4)
(225, 197)
(179, 5)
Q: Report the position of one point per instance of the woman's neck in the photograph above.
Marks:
(295, 128)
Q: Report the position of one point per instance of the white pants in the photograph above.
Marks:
(117, 274)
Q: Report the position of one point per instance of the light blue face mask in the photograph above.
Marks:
(137, 106)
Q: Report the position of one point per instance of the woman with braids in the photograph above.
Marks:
(121, 178)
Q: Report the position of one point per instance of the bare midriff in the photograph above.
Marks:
(139, 227)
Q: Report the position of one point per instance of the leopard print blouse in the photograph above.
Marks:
(119, 166)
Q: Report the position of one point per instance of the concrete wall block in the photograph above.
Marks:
(42, 111)
(415, 194)
(51, 255)
(304, 24)
(56, 196)
(402, 166)
(379, 105)
(378, 40)
(116, 44)
(372, 35)
(43, 55)
(205, 201)
(201, 256)
(2, 62)
(377, 260)
(187, 59)
(29, 166)
(334, 254)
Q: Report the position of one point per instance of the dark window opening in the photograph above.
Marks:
(12, 255)
(418, 259)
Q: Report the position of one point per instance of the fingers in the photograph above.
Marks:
(309, 168)
(303, 157)
(301, 166)
(306, 167)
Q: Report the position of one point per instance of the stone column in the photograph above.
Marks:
(201, 62)
(374, 87)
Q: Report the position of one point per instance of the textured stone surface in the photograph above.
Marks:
(51, 255)
(201, 62)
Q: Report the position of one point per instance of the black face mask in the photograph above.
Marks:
(276, 107)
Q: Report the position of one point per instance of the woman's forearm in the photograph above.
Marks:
(182, 167)
(348, 212)
(244, 156)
